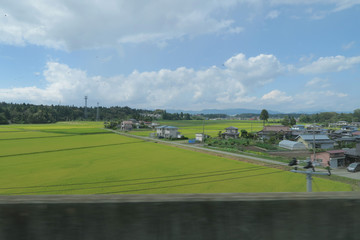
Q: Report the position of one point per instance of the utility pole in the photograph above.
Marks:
(85, 111)
(314, 150)
(203, 135)
(97, 112)
(309, 174)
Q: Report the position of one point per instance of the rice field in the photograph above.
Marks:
(82, 158)
(189, 128)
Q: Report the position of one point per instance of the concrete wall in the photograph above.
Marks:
(202, 216)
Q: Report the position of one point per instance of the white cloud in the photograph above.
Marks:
(348, 45)
(276, 97)
(273, 14)
(338, 5)
(92, 24)
(330, 64)
(180, 88)
(72, 25)
(318, 82)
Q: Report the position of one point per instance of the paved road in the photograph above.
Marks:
(339, 172)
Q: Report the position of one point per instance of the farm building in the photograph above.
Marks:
(334, 158)
(292, 145)
(231, 132)
(167, 132)
(321, 141)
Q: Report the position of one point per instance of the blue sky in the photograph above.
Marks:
(282, 55)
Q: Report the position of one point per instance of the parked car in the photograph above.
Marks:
(354, 167)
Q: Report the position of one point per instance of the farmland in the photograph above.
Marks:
(81, 158)
(189, 128)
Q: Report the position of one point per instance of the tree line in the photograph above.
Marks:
(30, 113)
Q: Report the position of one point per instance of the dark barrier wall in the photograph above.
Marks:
(182, 216)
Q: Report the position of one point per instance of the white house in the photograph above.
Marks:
(167, 132)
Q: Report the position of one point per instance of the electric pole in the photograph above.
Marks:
(97, 112)
(85, 111)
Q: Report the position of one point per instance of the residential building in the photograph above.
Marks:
(126, 125)
(333, 158)
(321, 141)
(230, 132)
(271, 130)
(167, 132)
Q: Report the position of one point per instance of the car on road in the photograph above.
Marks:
(354, 167)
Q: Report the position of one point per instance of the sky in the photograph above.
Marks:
(282, 55)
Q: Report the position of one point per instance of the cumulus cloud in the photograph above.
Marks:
(92, 24)
(318, 82)
(276, 97)
(330, 64)
(72, 25)
(184, 88)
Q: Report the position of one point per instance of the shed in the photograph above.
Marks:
(292, 145)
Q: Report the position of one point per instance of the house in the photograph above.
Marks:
(154, 125)
(269, 131)
(321, 141)
(230, 132)
(333, 158)
(298, 127)
(292, 145)
(349, 128)
(353, 154)
(126, 125)
(200, 137)
(167, 132)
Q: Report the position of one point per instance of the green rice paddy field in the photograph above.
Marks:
(81, 158)
(189, 128)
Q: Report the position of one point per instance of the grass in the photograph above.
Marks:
(81, 158)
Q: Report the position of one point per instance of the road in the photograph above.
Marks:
(342, 172)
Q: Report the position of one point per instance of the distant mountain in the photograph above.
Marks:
(222, 111)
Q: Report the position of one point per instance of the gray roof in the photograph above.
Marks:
(231, 128)
(310, 137)
(167, 127)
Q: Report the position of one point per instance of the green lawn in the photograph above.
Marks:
(80, 158)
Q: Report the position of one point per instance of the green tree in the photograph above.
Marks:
(264, 116)
(286, 121)
(244, 133)
(292, 121)
(356, 115)
(3, 119)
